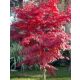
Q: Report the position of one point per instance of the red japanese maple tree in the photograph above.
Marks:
(39, 29)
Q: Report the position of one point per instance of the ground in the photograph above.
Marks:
(62, 74)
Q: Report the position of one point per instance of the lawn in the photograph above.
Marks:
(61, 74)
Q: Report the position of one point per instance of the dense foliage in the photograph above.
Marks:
(39, 29)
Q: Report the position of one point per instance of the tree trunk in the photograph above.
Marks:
(44, 74)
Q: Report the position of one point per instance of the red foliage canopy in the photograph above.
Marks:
(39, 30)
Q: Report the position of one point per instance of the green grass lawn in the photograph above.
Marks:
(61, 74)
